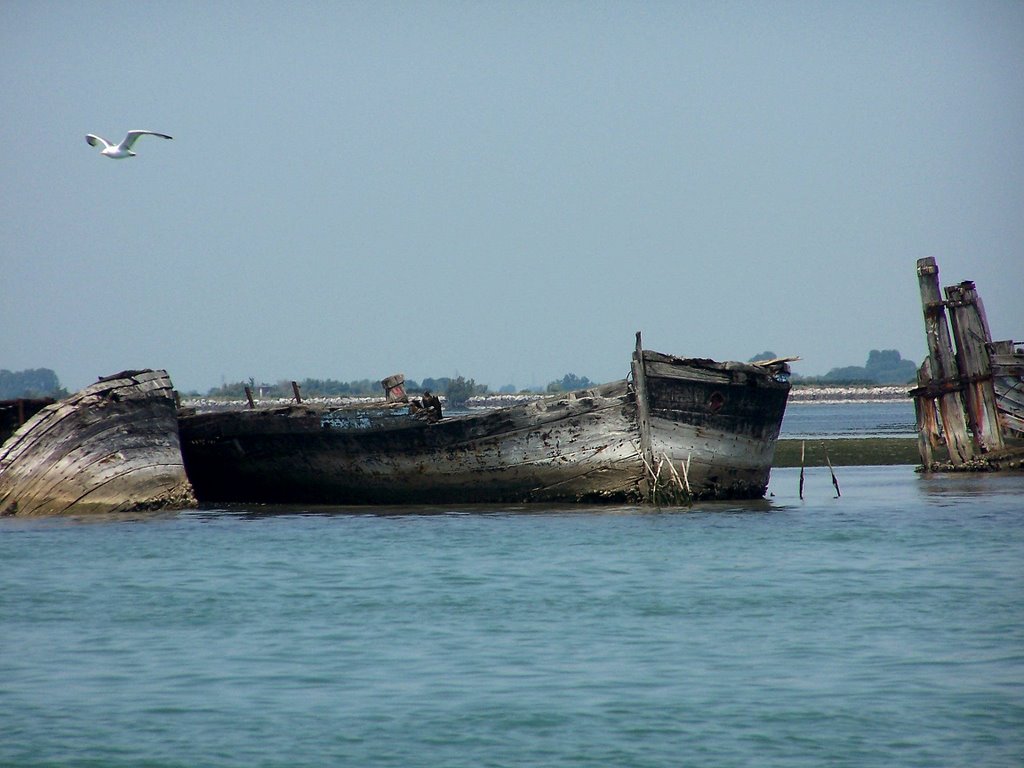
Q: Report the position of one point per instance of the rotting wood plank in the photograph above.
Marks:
(971, 334)
(928, 437)
(643, 414)
(943, 366)
(1008, 383)
(112, 446)
(654, 368)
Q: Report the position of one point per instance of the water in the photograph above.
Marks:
(882, 628)
(809, 421)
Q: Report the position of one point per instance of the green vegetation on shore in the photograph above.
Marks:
(885, 366)
(881, 451)
(852, 451)
(456, 390)
(34, 382)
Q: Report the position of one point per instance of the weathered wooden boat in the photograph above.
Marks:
(676, 429)
(111, 447)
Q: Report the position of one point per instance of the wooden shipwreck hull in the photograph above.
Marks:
(970, 393)
(1007, 361)
(685, 428)
(111, 447)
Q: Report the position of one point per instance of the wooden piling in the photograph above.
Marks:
(945, 381)
(248, 396)
(928, 438)
(971, 335)
(295, 391)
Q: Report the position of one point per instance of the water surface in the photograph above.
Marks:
(882, 628)
(811, 420)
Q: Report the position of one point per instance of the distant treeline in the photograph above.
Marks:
(883, 367)
(32, 383)
(456, 390)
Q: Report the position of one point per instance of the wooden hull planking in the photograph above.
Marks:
(112, 447)
(719, 420)
(590, 445)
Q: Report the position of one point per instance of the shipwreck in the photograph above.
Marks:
(675, 429)
(970, 394)
(111, 447)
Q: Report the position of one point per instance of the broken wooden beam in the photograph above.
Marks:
(943, 365)
(971, 335)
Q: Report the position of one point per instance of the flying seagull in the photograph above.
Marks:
(124, 149)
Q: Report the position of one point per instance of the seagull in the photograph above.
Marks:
(124, 149)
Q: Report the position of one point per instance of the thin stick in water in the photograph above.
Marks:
(835, 482)
(672, 468)
(802, 446)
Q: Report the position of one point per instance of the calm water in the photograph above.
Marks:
(818, 420)
(882, 628)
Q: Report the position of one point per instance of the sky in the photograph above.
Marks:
(505, 191)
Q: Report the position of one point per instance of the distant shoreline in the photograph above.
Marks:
(814, 395)
(850, 394)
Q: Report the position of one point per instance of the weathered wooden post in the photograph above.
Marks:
(971, 335)
(295, 391)
(394, 388)
(248, 396)
(924, 409)
(943, 366)
(643, 415)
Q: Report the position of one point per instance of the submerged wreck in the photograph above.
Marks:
(111, 447)
(676, 429)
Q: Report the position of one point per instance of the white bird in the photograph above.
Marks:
(124, 149)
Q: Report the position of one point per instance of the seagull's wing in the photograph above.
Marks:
(133, 135)
(96, 141)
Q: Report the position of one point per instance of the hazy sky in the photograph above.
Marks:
(501, 190)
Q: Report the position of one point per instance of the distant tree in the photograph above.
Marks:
(235, 389)
(434, 385)
(763, 356)
(459, 390)
(887, 367)
(851, 374)
(883, 367)
(569, 382)
(33, 382)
